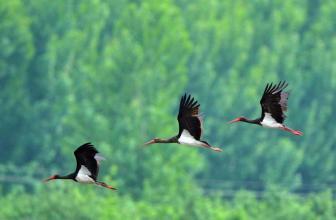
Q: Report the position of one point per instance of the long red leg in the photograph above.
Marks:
(295, 132)
(217, 149)
(105, 185)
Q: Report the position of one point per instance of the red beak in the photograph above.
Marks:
(50, 178)
(234, 120)
(149, 142)
(111, 187)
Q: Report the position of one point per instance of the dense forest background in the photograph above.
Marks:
(112, 73)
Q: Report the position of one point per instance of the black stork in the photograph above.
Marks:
(273, 105)
(87, 168)
(190, 126)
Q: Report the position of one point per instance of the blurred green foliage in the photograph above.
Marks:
(112, 72)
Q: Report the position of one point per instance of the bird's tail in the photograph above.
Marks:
(105, 185)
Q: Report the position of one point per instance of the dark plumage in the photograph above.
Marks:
(274, 101)
(85, 155)
(87, 167)
(188, 117)
(190, 126)
(273, 107)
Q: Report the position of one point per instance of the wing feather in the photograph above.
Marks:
(188, 117)
(85, 155)
(274, 101)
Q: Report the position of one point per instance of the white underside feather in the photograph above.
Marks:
(188, 139)
(83, 175)
(270, 122)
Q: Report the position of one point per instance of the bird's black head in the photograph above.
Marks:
(153, 141)
(243, 119)
(53, 177)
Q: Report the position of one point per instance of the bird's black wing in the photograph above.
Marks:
(274, 101)
(85, 155)
(188, 117)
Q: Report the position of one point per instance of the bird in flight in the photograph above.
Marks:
(273, 107)
(87, 168)
(190, 126)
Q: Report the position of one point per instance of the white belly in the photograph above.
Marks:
(83, 175)
(270, 122)
(188, 139)
(84, 179)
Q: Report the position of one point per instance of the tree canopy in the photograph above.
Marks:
(112, 73)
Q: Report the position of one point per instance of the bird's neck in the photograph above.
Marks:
(168, 140)
(69, 176)
(251, 121)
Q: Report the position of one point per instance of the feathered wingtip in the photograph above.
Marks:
(184, 99)
(188, 101)
(88, 144)
(275, 88)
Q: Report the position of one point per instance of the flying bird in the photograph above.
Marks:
(87, 168)
(190, 126)
(273, 107)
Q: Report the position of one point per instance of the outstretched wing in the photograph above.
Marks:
(87, 156)
(274, 101)
(189, 118)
